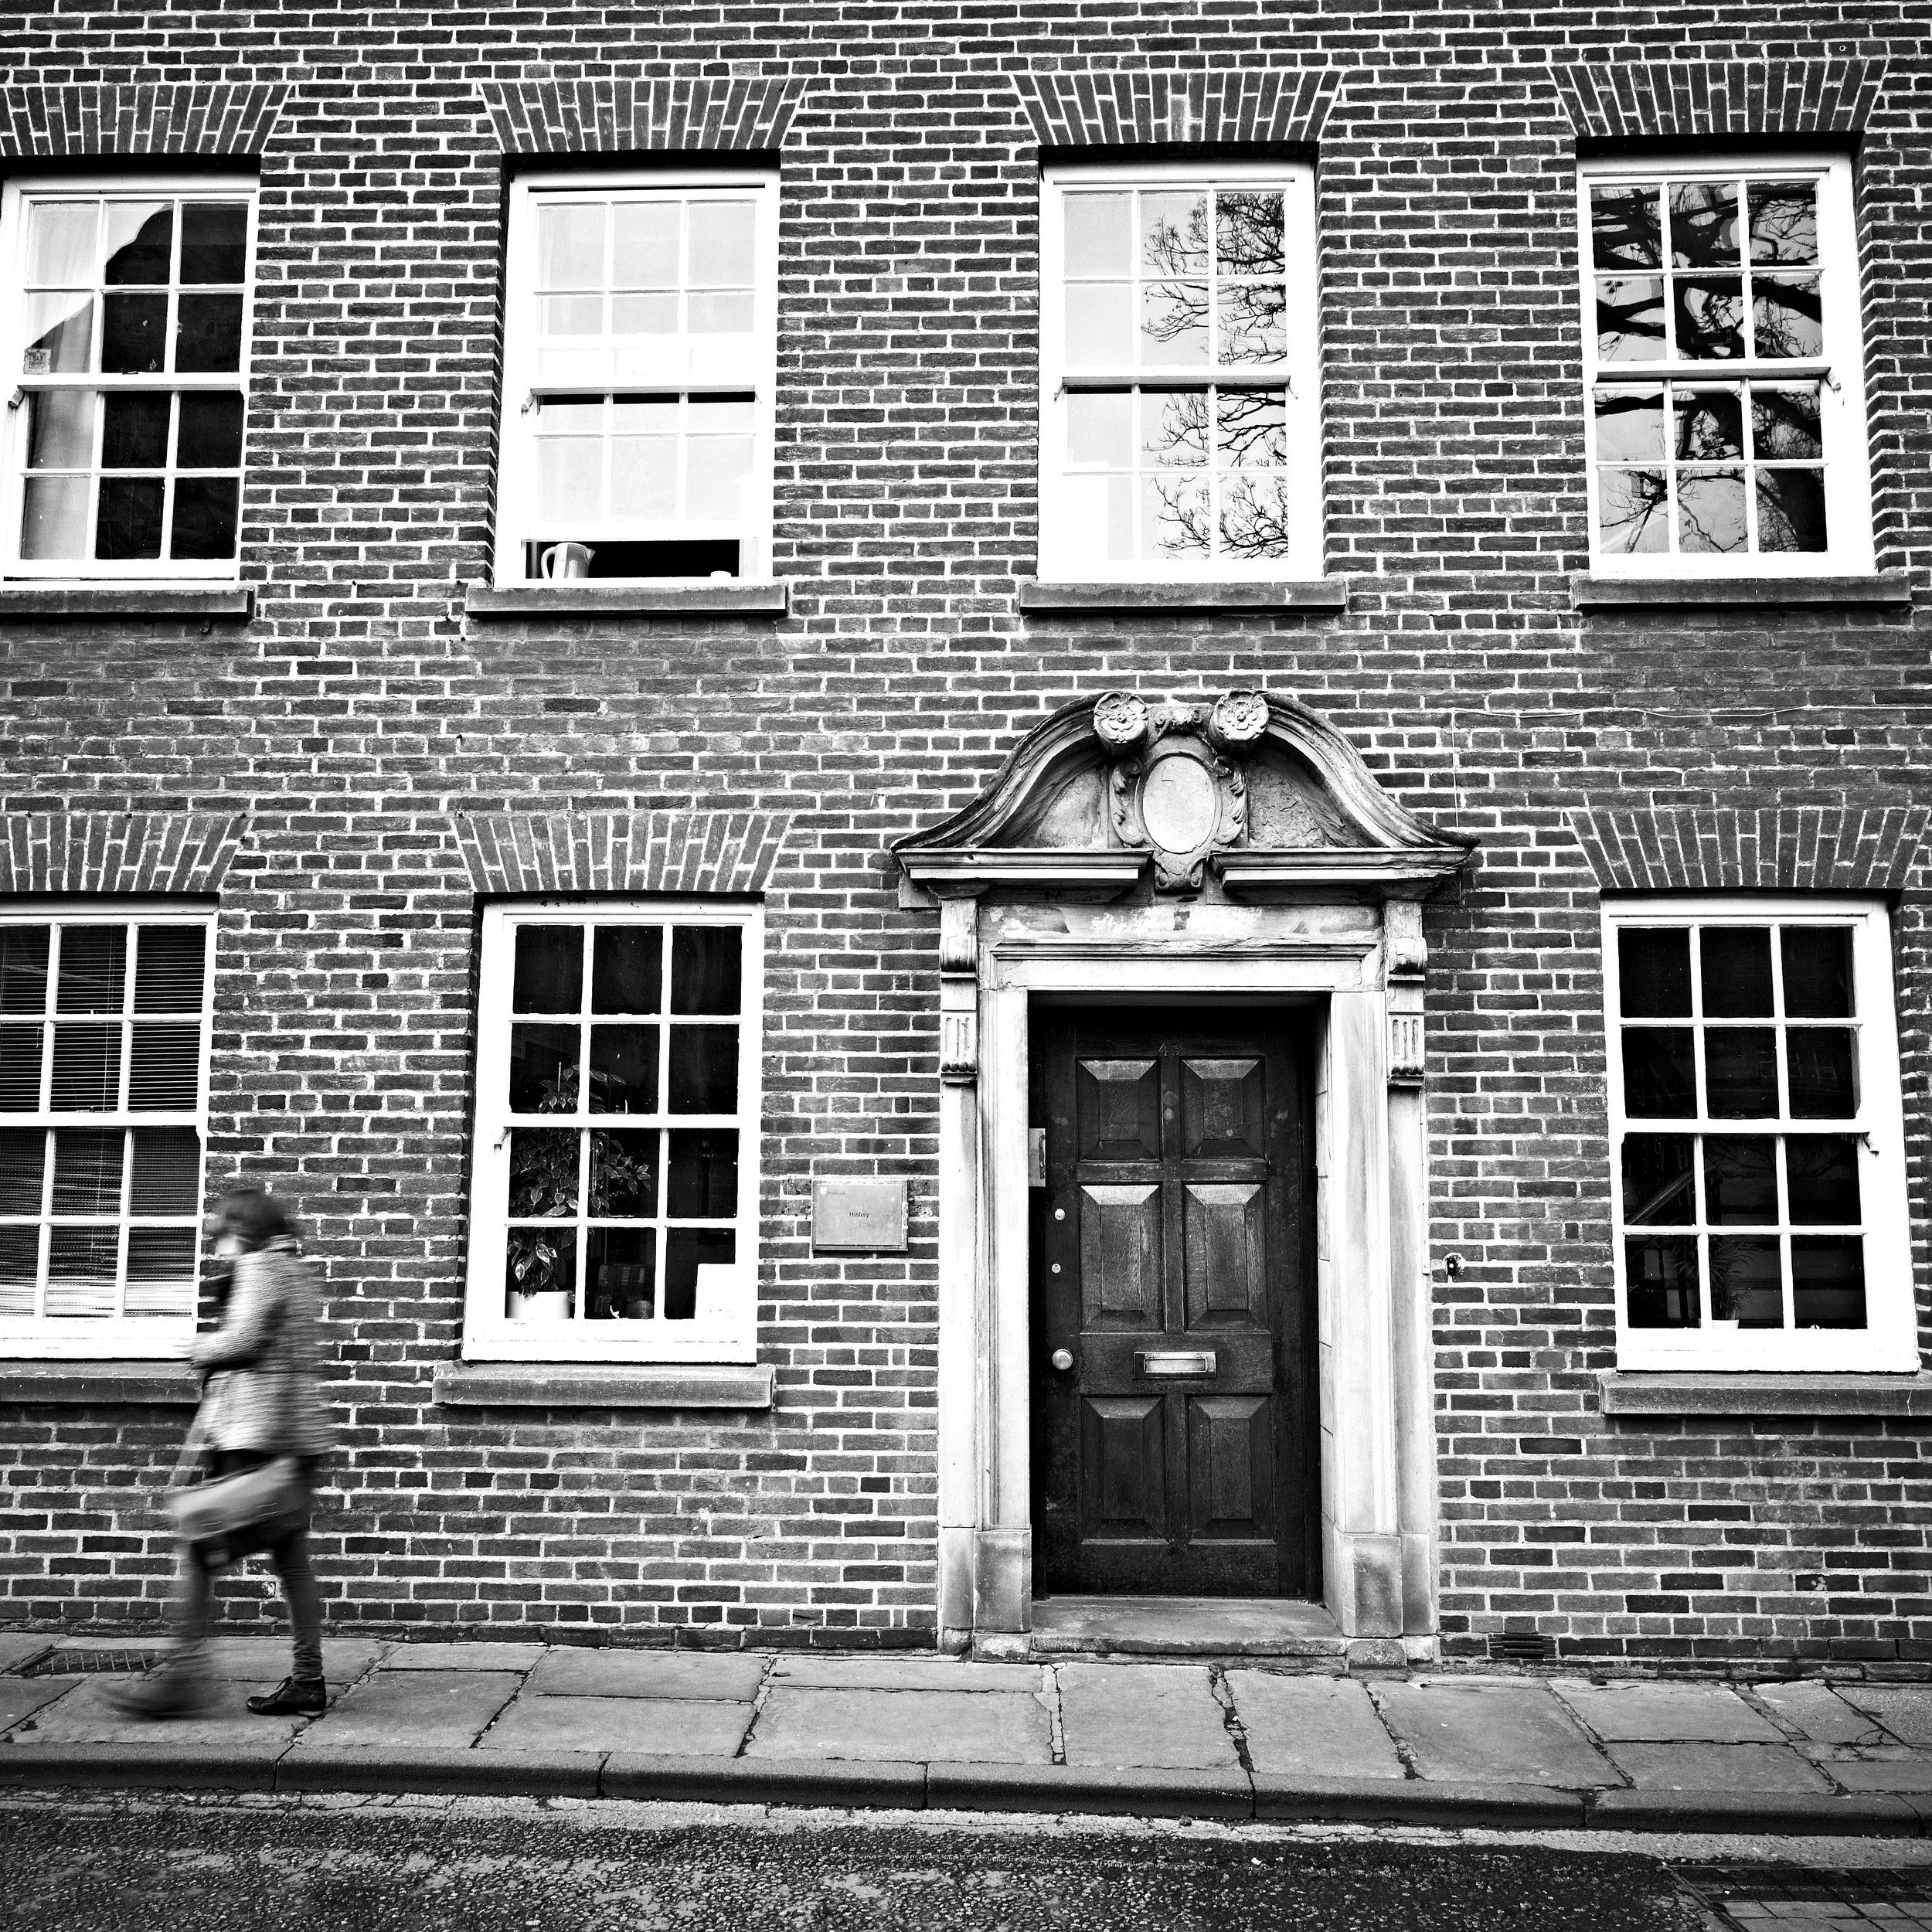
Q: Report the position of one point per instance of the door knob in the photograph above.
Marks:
(1062, 1359)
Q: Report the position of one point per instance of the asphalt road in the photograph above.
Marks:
(117, 1866)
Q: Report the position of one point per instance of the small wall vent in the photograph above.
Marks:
(1521, 1642)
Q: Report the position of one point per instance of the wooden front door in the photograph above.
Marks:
(1173, 1338)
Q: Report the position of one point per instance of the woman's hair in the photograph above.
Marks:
(255, 1217)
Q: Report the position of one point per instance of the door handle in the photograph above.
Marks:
(1174, 1361)
(1062, 1359)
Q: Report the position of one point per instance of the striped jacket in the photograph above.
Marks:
(262, 1391)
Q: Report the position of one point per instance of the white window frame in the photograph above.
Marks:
(1890, 1340)
(131, 1337)
(1840, 371)
(682, 365)
(488, 1333)
(1061, 559)
(17, 384)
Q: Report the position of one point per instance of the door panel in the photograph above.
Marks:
(1173, 1273)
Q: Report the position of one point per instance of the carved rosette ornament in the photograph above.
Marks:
(1175, 785)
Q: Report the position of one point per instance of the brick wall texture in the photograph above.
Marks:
(375, 758)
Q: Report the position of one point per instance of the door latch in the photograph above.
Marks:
(1036, 1157)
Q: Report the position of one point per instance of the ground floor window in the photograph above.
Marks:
(1758, 1135)
(614, 1181)
(103, 1053)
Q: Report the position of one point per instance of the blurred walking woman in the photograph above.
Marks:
(260, 1407)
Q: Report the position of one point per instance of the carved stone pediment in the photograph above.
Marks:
(1247, 794)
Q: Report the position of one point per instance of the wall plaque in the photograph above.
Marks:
(857, 1217)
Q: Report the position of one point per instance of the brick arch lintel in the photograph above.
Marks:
(1619, 100)
(171, 852)
(51, 122)
(612, 114)
(515, 854)
(1145, 106)
(1784, 849)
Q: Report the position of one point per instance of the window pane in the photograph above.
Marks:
(1659, 1082)
(1703, 224)
(722, 253)
(622, 1274)
(1822, 1172)
(570, 246)
(1653, 972)
(1174, 427)
(94, 969)
(60, 430)
(1254, 517)
(134, 334)
(1253, 322)
(1250, 233)
(540, 1273)
(1790, 510)
(645, 248)
(1633, 511)
(167, 1171)
(161, 1271)
(549, 970)
(704, 1174)
(1174, 324)
(1747, 1280)
(720, 466)
(1100, 427)
(54, 522)
(625, 974)
(1818, 972)
(1785, 423)
(1174, 233)
(59, 334)
(624, 1173)
(205, 512)
(134, 432)
(1736, 971)
(1099, 323)
(1740, 1180)
(164, 1074)
(1176, 516)
(543, 1171)
(643, 478)
(1630, 318)
(1710, 511)
(62, 236)
(214, 241)
(1251, 427)
(706, 968)
(87, 1171)
(1708, 317)
(1783, 220)
(1626, 225)
(1630, 424)
(1709, 424)
(81, 1267)
(20, 1050)
(139, 242)
(543, 1070)
(686, 1250)
(570, 479)
(1740, 1071)
(23, 968)
(583, 314)
(1787, 316)
(1659, 1186)
(729, 314)
(209, 437)
(623, 1069)
(1661, 1282)
(128, 523)
(704, 1070)
(19, 1271)
(168, 969)
(1828, 1282)
(23, 1166)
(1821, 1067)
(1100, 230)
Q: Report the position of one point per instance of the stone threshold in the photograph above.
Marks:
(1284, 1628)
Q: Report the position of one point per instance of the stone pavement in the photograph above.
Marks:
(1190, 1738)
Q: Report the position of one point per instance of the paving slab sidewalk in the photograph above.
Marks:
(1255, 1741)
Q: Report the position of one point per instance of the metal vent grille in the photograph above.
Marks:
(91, 1663)
(1523, 1646)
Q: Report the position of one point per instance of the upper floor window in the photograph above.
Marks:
(126, 332)
(614, 1189)
(1758, 1136)
(103, 1048)
(1725, 416)
(640, 352)
(1179, 430)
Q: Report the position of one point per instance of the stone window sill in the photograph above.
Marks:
(1594, 593)
(1708, 1392)
(25, 1384)
(577, 1385)
(1156, 599)
(745, 598)
(37, 601)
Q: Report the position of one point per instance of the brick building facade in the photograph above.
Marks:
(914, 751)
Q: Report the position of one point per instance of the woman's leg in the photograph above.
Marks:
(194, 1592)
(304, 1599)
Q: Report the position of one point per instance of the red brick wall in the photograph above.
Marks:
(359, 709)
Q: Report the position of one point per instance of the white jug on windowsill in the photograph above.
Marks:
(540, 1304)
(566, 561)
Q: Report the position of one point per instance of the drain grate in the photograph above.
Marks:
(123, 1660)
(1798, 1898)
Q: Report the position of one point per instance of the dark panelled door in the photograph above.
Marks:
(1173, 1275)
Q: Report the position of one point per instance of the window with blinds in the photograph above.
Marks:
(104, 1031)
